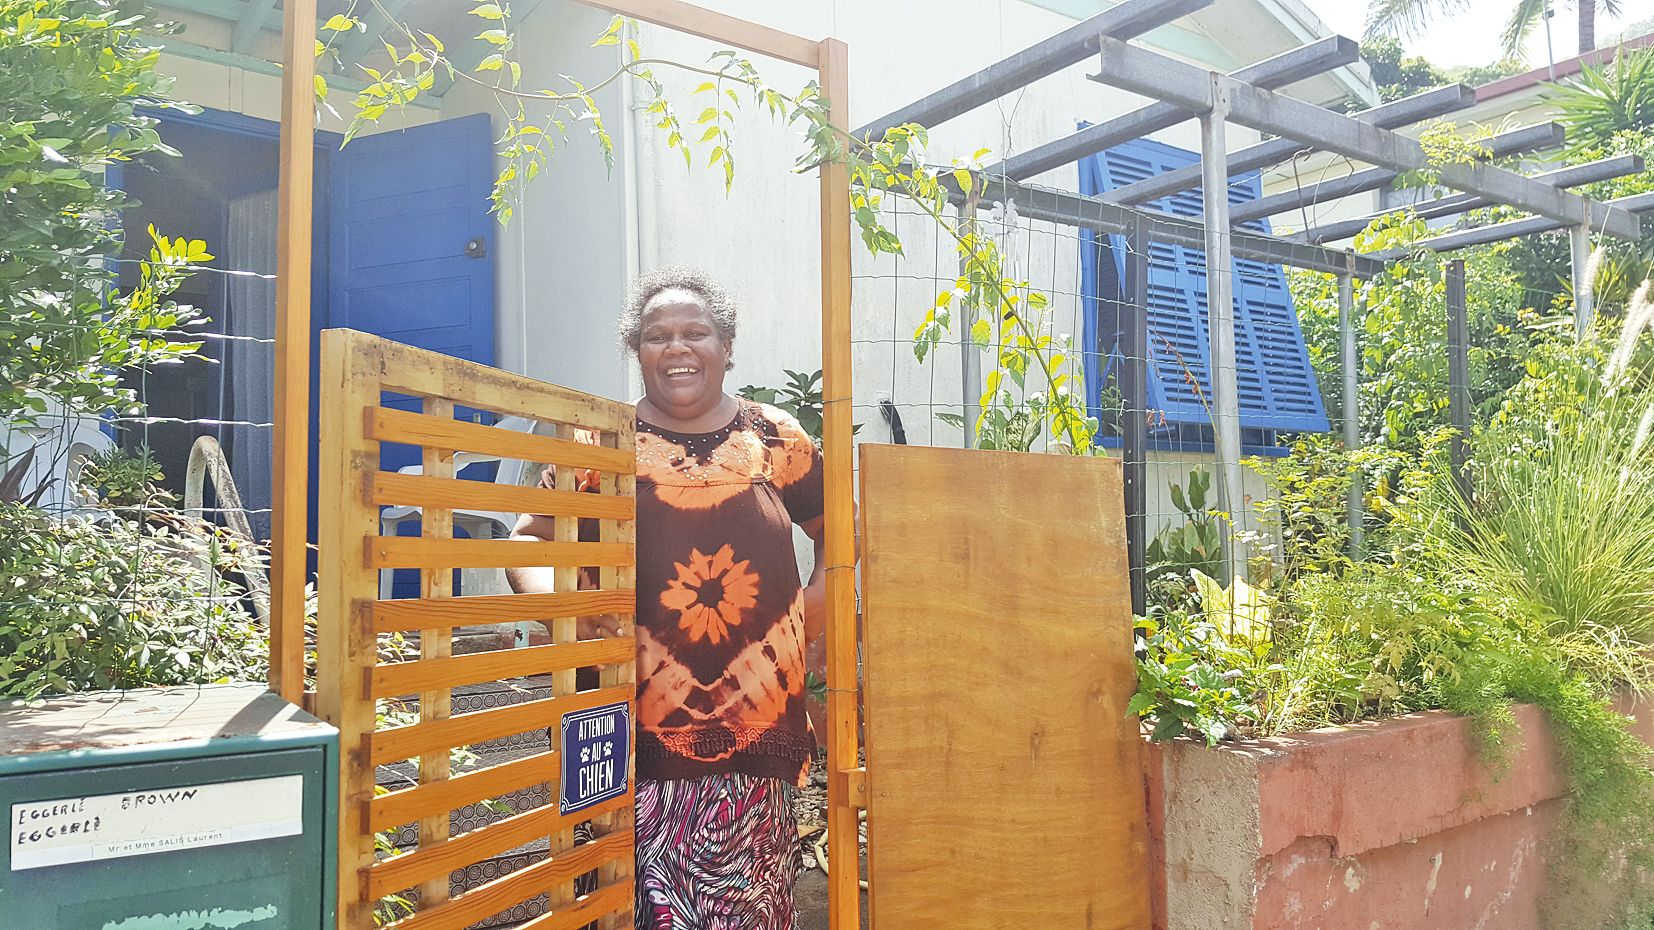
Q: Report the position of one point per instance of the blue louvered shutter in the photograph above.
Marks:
(1276, 385)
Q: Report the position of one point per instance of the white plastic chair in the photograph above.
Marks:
(62, 441)
(479, 524)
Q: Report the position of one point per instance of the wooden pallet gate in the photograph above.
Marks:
(356, 370)
(358, 679)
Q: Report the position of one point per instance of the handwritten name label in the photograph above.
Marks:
(596, 756)
(137, 823)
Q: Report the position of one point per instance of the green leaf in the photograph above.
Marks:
(488, 11)
(611, 36)
(1166, 728)
(491, 63)
(339, 22)
(495, 36)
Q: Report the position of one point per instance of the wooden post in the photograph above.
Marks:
(1579, 247)
(622, 578)
(289, 494)
(345, 642)
(844, 890)
(1220, 316)
(435, 645)
(565, 529)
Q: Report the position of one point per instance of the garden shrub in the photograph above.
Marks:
(106, 602)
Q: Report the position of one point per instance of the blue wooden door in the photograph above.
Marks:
(410, 251)
(411, 239)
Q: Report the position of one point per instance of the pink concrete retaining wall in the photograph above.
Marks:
(1391, 825)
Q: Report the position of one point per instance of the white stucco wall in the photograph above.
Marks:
(566, 255)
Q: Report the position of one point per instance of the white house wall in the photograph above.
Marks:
(563, 261)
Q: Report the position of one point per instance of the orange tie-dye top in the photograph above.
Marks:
(720, 608)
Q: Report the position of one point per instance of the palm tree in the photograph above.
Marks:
(1404, 18)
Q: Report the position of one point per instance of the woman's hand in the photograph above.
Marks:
(604, 626)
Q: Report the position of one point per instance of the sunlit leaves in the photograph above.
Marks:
(611, 35)
(82, 93)
(1031, 398)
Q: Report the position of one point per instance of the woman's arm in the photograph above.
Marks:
(543, 580)
(815, 595)
(536, 579)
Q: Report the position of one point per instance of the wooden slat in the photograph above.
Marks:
(436, 701)
(623, 577)
(400, 743)
(407, 370)
(499, 664)
(393, 488)
(415, 429)
(610, 899)
(410, 804)
(719, 27)
(399, 873)
(415, 552)
(490, 898)
(345, 647)
(566, 530)
(392, 616)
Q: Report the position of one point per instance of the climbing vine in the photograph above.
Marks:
(1029, 392)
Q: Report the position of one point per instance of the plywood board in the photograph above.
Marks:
(1004, 780)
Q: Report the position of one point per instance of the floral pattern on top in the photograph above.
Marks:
(720, 604)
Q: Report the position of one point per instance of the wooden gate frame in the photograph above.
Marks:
(352, 676)
(830, 58)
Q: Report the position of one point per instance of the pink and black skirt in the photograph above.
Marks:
(719, 852)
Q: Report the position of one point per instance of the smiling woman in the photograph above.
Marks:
(724, 623)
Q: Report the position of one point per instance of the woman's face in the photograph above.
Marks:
(682, 354)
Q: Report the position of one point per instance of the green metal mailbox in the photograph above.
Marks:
(201, 808)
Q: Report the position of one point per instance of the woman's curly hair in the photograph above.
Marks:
(717, 301)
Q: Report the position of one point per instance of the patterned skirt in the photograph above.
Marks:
(720, 852)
